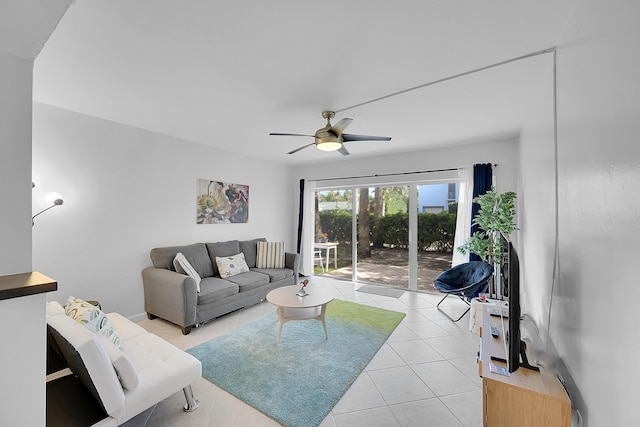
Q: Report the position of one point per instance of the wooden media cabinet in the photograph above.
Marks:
(525, 398)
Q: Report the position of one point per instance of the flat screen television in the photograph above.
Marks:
(510, 287)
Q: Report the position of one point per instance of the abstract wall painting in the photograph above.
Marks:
(222, 202)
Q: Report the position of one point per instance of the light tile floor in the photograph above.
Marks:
(425, 374)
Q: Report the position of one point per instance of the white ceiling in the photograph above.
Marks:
(226, 73)
(25, 26)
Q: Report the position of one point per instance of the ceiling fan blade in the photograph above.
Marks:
(343, 150)
(290, 134)
(340, 126)
(351, 137)
(301, 148)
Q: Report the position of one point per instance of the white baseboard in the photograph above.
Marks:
(138, 317)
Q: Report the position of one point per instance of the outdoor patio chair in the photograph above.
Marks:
(317, 258)
(466, 281)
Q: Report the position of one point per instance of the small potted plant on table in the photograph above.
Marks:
(322, 238)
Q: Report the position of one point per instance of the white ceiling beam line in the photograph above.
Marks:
(455, 76)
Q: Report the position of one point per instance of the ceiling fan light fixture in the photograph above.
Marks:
(329, 145)
(327, 141)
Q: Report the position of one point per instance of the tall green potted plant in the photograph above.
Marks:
(496, 215)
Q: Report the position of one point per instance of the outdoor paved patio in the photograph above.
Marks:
(390, 267)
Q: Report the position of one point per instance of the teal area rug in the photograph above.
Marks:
(298, 381)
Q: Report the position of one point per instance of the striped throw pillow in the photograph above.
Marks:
(270, 255)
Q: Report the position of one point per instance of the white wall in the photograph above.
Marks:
(15, 164)
(22, 391)
(537, 205)
(594, 300)
(126, 191)
(23, 361)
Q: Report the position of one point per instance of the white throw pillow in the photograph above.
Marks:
(183, 266)
(231, 265)
(270, 255)
(92, 318)
(122, 364)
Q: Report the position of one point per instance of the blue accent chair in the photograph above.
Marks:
(466, 281)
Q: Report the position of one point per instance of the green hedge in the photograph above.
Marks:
(435, 231)
(337, 224)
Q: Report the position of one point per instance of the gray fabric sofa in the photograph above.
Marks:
(174, 297)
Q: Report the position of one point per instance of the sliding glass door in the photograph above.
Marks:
(332, 247)
(383, 236)
(398, 235)
(436, 224)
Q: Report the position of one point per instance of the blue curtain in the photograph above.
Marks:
(300, 215)
(482, 182)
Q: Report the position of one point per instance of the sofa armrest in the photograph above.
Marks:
(292, 261)
(170, 295)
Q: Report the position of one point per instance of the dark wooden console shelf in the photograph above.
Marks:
(526, 398)
(23, 284)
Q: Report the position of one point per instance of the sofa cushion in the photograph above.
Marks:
(92, 318)
(250, 250)
(275, 274)
(249, 280)
(270, 255)
(196, 254)
(124, 368)
(220, 249)
(183, 266)
(214, 289)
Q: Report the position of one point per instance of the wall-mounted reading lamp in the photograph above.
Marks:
(55, 199)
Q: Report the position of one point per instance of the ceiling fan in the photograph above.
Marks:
(331, 138)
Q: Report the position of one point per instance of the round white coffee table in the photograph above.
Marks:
(293, 307)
